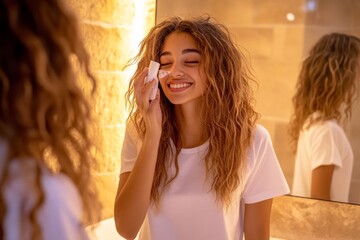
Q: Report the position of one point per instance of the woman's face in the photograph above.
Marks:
(181, 58)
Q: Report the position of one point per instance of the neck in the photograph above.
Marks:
(190, 124)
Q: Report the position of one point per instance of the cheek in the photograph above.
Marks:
(163, 87)
(202, 79)
(162, 83)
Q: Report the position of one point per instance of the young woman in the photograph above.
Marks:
(193, 160)
(45, 162)
(323, 100)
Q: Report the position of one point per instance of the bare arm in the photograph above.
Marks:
(133, 194)
(257, 220)
(321, 182)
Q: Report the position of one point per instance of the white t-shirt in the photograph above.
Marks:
(323, 144)
(187, 207)
(60, 216)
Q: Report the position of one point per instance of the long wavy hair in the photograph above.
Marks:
(44, 112)
(227, 111)
(327, 83)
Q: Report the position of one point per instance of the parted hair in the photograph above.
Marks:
(327, 83)
(227, 112)
(44, 112)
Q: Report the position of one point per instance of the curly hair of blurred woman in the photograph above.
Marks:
(45, 114)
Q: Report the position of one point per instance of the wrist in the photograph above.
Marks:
(153, 133)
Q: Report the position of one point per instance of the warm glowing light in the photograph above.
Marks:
(311, 5)
(138, 31)
(138, 25)
(290, 17)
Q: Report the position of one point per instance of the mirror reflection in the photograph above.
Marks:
(325, 90)
(278, 36)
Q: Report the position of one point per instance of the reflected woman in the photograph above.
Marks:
(194, 164)
(322, 104)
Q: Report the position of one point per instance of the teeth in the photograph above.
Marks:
(179, 85)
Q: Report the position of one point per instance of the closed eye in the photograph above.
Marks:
(164, 64)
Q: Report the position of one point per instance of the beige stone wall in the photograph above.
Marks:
(112, 30)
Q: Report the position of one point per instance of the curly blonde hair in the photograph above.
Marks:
(327, 82)
(44, 113)
(227, 110)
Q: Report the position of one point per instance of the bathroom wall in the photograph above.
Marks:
(112, 30)
(298, 218)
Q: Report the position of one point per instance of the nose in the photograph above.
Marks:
(176, 70)
(176, 73)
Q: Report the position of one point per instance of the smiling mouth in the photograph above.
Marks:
(179, 85)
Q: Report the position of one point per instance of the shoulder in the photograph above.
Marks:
(261, 135)
(261, 143)
(58, 189)
(62, 210)
(61, 193)
(263, 178)
(60, 213)
(328, 128)
(20, 179)
(131, 133)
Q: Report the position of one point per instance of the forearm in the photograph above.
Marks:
(133, 199)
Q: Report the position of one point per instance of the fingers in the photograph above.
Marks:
(157, 97)
(140, 80)
(147, 88)
(143, 89)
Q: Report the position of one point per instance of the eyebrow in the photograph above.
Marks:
(187, 50)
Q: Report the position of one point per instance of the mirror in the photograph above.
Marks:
(277, 35)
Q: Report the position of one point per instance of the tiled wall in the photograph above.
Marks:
(112, 30)
(275, 47)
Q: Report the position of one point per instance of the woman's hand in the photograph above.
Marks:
(150, 110)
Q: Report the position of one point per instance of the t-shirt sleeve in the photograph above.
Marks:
(264, 177)
(130, 149)
(324, 145)
(60, 215)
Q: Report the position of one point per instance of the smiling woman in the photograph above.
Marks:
(194, 164)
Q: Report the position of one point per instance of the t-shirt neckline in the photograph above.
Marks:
(192, 150)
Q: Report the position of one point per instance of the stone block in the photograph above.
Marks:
(109, 101)
(107, 187)
(108, 11)
(109, 48)
(108, 140)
